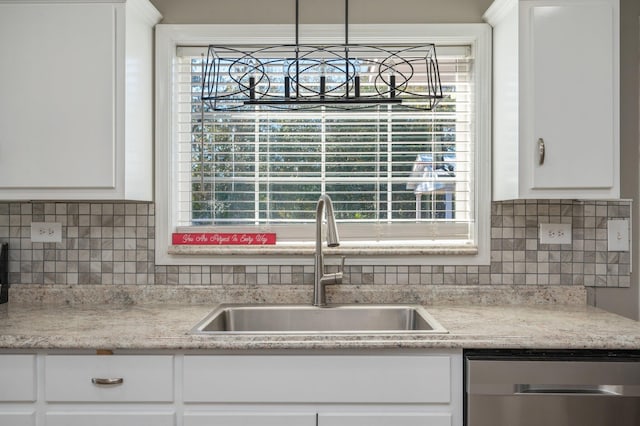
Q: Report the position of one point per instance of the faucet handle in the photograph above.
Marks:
(333, 278)
(340, 273)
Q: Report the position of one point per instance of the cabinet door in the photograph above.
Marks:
(107, 418)
(572, 66)
(17, 419)
(385, 419)
(249, 419)
(57, 122)
(17, 378)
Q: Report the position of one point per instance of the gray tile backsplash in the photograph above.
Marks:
(113, 243)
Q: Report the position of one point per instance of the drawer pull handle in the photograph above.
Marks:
(108, 382)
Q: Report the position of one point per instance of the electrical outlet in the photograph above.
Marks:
(555, 233)
(46, 232)
(618, 235)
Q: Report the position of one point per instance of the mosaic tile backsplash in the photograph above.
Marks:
(113, 243)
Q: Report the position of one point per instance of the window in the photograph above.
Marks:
(402, 182)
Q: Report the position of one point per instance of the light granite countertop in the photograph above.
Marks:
(127, 324)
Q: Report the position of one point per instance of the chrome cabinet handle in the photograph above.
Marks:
(107, 382)
(540, 151)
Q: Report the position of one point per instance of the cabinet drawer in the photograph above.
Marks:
(385, 419)
(318, 379)
(144, 378)
(17, 378)
(110, 419)
(249, 419)
(18, 419)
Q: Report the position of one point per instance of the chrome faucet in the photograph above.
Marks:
(320, 278)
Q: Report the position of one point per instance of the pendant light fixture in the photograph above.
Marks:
(309, 76)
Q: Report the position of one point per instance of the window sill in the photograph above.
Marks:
(309, 250)
(303, 254)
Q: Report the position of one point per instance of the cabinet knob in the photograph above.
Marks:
(540, 151)
(108, 382)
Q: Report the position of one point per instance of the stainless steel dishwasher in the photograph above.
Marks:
(552, 388)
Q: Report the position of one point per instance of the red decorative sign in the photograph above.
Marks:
(223, 239)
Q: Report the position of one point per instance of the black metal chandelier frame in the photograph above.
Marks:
(307, 76)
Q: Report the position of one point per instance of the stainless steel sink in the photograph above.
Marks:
(305, 319)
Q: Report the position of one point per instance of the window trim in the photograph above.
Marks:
(169, 36)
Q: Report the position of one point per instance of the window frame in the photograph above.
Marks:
(169, 36)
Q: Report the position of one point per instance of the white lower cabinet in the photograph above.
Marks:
(385, 419)
(18, 389)
(108, 378)
(105, 418)
(17, 378)
(249, 419)
(394, 389)
(311, 388)
(327, 379)
(109, 390)
(319, 419)
(17, 418)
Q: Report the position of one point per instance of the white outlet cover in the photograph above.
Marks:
(555, 233)
(46, 232)
(618, 235)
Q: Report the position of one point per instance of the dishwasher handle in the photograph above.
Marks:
(528, 389)
(541, 389)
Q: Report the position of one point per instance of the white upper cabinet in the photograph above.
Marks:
(556, 99)
(77, 97)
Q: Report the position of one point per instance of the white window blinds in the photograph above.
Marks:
(394, 176)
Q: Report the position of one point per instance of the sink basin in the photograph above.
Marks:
(288, 319)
